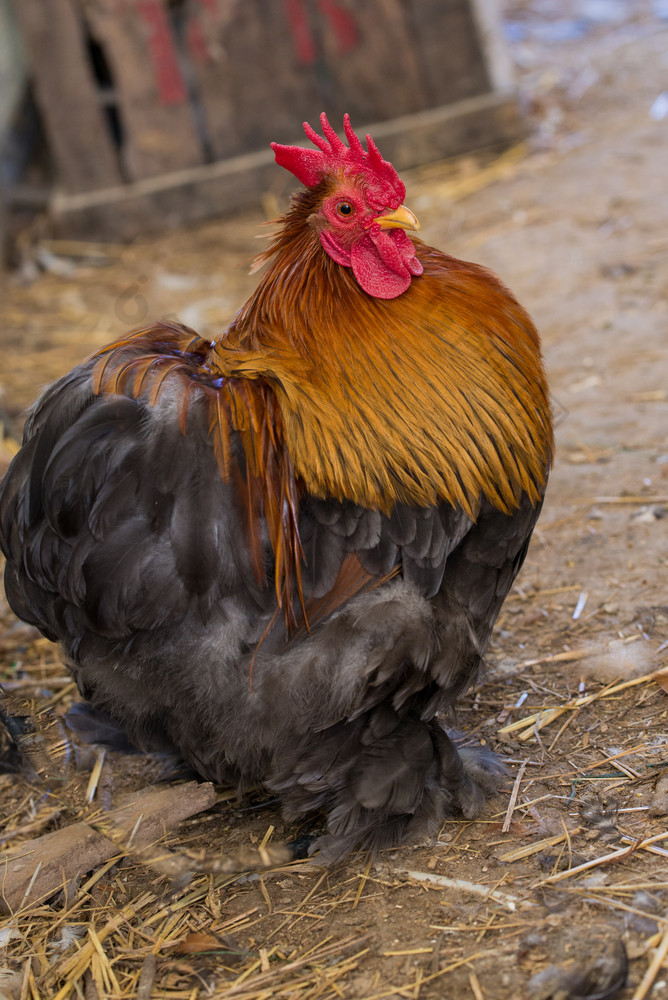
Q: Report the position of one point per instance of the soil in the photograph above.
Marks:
(576, 223)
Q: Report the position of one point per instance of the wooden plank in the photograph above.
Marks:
(452, 58)
(82, 147)
(254, 71)
(125, 212)
(474, 123)
(158, 129)
(261, 69)
(371, 66)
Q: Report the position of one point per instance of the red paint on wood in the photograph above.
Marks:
(196, 37)
(204, 21)
(168, 78)
(300, 29)
(343, 25)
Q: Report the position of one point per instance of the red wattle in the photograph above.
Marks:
(384, 262)
(334, 249)
(406, 248)
(372, 272)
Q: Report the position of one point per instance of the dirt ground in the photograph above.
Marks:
(576, 222)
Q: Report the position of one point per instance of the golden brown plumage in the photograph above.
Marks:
(366, 448)
(354, 398)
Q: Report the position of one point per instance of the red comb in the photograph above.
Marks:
(332, 155)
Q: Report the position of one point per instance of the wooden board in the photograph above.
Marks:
(370, 66)
(494, 52)
(260, 69)
(249, 77)
(446, 36)
(83, 152)
(156, 117)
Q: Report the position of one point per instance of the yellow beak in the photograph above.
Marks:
(401, 218)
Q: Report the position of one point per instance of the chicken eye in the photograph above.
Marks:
(345, 209)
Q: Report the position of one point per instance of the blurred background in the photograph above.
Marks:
(100, 95)
(121, 118)
(532, 136)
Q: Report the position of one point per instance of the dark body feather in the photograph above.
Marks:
(165, 522)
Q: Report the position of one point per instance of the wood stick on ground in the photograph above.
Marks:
(76, 849)
(538, 720)
(463, 885)
(513, 797)
(634, 500)
(475, 986)
(647, 980)
(525, 852)
(147, 977)
(606, 859)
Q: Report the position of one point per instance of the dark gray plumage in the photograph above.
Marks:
(124, 544)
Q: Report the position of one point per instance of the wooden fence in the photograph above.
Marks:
(160, 112)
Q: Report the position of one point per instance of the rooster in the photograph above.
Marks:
(283, 551)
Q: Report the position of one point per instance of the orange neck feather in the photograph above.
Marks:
(436, 395)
